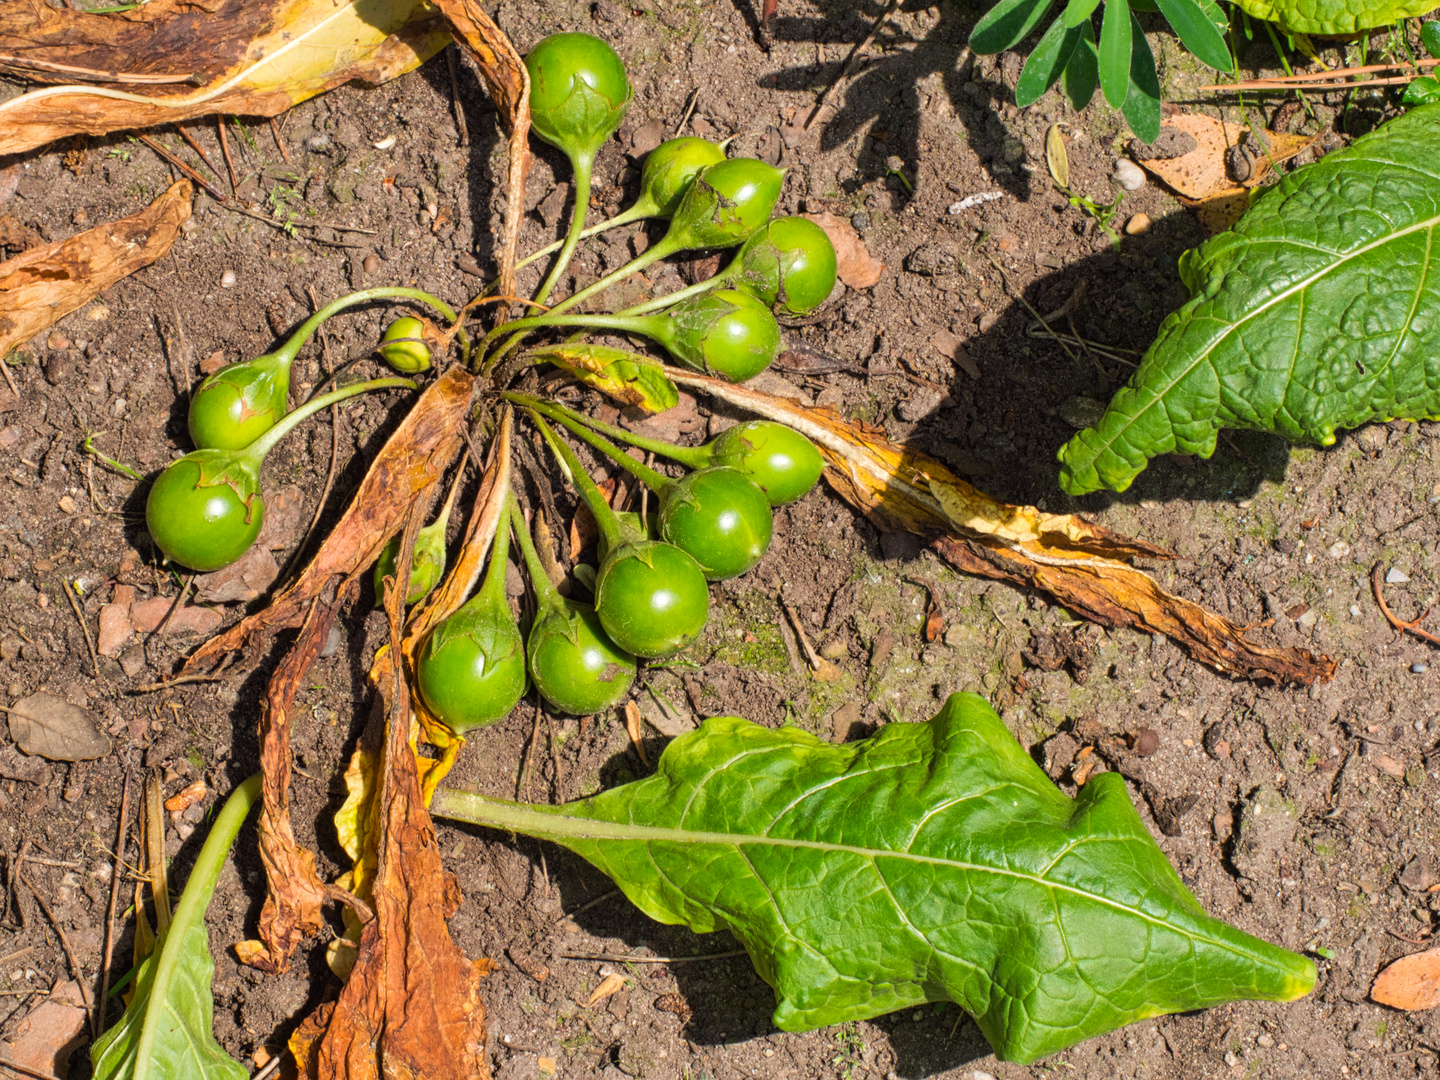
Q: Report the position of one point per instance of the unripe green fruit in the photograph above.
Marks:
(239, 403)
(669, 170)
(578, 91)
(719, 517)
(402, 348)
(782, 461)
(651, 598)
(725, 332)
(790, 261)
(205, 510)
(426, 567)
(575, 665)
(472, 669)
(725, 204)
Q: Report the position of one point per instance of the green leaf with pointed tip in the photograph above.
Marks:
(166, 1032)
(1318, 311)
(1197, 32)
(1046, 61)
(1007, 24)
(1082, 74)
(1079, 11)
(626, 377)
(1333, 16)
(930, 862)
(1142, 98)
(1115, 52)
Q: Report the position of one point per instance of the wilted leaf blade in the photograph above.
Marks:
(625, 377)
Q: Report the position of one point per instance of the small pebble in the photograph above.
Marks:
(371, 264)
(861, 221)
(1138, 225)
(1355, 610)
(1338, 550)
(318, 144)
(1265, 1040)
(1419, 668)
(15, 690)
(227, 279)
(1396, 576)
(1129, 175)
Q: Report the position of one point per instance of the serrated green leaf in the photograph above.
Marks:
(1046, 62)
(1142, 95)
(930, 862)
(629, 378)
(1082, 74)
(1318, 311)
(1115, 52)
(166, 1032)
(1333, 16)
(1197, 33)
(1007, 24)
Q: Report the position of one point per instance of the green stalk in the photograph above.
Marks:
(655, 481)
(629, 324)
(611, 534)
(625, 217)
(657, 303)
(692, 457)
(492, 589)
(191, 910)
(547, 597)
(582, 165)
(255, 453)
(303, 333)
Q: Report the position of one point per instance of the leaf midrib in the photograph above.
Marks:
(1204, 355)
(502, 814)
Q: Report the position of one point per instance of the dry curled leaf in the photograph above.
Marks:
(1411, 983)
(407, 468)
(856, 267)
(47, 726)
(1081, 565)
(611, 985)
(636, 730)
(42, 285)
(251, 57)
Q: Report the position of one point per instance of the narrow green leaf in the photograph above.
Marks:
(629, 378)
(930, 862)
(1115, 48)
(1082, 74)
(166, 1032)
(1197, 33)
(1142, 97)
(1046, 63)
(1430, 38)
(1079, 11)
(1007, 24)
(1318, 311)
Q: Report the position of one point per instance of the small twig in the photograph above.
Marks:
(583, 907)
(460, 126)
(114, 897)
(124, 470)
(80, 618)
(9, 379)
(522, 782)
(279, 142)
(810, 654)
(225, 150)
(1407, 940)
(28, 949)
(84, 74)
(1307, 81)
(1005, 280)
(178, 680)
(850, 61)
(270, 1067)
(614, 959)
(190, 141)
(689, 112)
(75, 968)
(1394, 620)
(58, 863)
(215, 192)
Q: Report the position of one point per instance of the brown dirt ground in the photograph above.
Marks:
(1300, 833)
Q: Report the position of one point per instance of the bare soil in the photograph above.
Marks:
(1315, 814)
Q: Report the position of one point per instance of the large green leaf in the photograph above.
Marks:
(1046, 61)
(1116, 34)
(1334, 16)
(930, 862)
(166, 1032)
(1007, 24)
(1142, 99)
(1318, 311)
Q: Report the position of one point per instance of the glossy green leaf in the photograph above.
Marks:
(1318, 311)
(166, 1032)
(1082, 74)
(1007, 24)
(930, 862)
(1142, 95)
(1422, 91)
(1079, 11)
(1197, 33)
(1430, 38)
(627, 377)
(1115, 52)
(1046, 62)
(1334, 16)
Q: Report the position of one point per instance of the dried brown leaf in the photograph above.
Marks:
(636, 730)
(508, 82)
(611, 985)
(251, 57)
(1411, 983)
(48, 726)
(1083, 566)
(44, 284)
(407, 468)
(857, 268)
